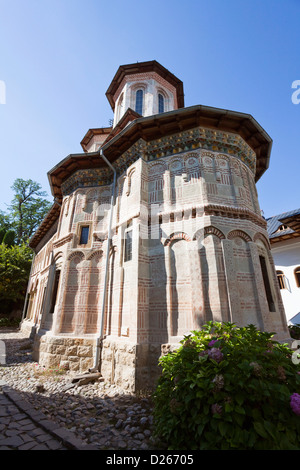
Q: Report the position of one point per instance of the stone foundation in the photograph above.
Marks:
(133, 367)
(75, 354)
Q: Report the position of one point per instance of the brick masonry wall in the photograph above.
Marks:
(197, 237)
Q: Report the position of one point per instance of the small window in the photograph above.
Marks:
(161, 103)
(54, 292)
(297, 276)
(120, 107)
(280, 278)
(139, 101)
(281, 228)
(128, 246)
(266, 280)
(26, 309)
(84, 235)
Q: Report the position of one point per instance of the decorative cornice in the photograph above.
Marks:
(197, 138)
(234, 212)
(64, 240)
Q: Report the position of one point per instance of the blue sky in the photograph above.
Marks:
(58, 57)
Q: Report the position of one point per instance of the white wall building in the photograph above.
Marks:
(284, 233)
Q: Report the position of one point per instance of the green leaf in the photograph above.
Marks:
(239, 409)
(200, 429)
(259, 428)
(224, 428)
(271, 429)
(239, 418)
(239, 398)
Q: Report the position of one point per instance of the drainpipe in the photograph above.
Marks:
(96, 365)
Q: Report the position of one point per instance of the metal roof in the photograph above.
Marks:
(273, 223)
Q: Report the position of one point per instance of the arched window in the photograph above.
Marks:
(161, 103)
(128, 242)
(139, 101)
(281, 280)
(54, 291)
(267, 284)
(120, 107)
(297, 276)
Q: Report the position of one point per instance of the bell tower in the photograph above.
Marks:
(146, 88)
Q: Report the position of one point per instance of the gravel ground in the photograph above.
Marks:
(98, 413)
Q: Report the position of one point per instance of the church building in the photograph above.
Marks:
(155, 229)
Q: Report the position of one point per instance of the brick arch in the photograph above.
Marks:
(74, 254)
(210, 230)
(239, 233)
(207, 153)
(193, 154)
(180, 160)
(57, 256)
(161, 165)
(121, 184)
(129, 176)
(94, 254)
(260, 236)
(176, 236)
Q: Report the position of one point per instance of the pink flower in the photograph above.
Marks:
(218, 382)
(295, 403)
(215, 354)
(216, 409)
(281, 373)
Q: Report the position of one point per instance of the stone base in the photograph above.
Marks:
(75, 354)
(28, 328)
(133, 367)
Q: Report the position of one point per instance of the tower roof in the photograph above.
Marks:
(144, 67)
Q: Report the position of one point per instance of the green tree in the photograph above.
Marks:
(2, 233)
(15, 264)
(28, 208)
(4, 223)
(9, 237)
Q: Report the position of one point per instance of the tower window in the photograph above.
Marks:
(139, 101)
(55, 290)
(161, 103)
(84, 235)
(128, 245)
(280, 278)
(297, 276)
(120, 107)
(264, 270)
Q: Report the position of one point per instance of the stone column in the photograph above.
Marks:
(263, 309)
(196, 285)
(231, 281)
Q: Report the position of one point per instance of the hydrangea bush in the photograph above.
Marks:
(228, 387)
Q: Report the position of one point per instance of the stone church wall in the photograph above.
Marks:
(198, 241)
